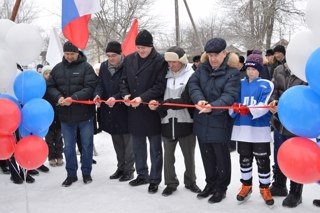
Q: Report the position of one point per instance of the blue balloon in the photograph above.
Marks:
(299, 111)
(28, 85)
(11, 99)
(313, 71)
(37, 115)
(24, 132)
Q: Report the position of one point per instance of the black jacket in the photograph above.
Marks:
(112, 120)
(76, 80)
(219, 87)
(147, 82)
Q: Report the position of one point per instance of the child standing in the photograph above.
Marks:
(252, 128)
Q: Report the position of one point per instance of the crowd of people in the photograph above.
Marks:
(148, 83)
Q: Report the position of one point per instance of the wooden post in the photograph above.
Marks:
(177, 23)
(15, 10)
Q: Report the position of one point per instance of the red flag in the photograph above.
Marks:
(129, 43)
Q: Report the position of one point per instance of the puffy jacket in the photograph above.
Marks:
(76, 80)
(219, 87)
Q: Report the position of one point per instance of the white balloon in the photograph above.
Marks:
(299, 49)
(313, 16)
(8, 70)
(25, 41)
(5, 25)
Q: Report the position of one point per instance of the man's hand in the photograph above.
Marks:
(60, 101)
(110, 102)
(127, 100)
(206, 109)
(153, 104)
(136, 102)
(96, 101)
(273, 106)
(201, 104)
(67, 101)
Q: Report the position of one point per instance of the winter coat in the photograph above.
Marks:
(76, 80)
(147, 82)
(219, 87)
(282, 80)
(112, 120)
(178, 122)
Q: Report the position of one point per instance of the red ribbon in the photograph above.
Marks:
(165, 104)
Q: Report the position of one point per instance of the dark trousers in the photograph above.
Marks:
(123, 146)
(261, 152)
(55, 144)
(187, 145)
(217, 165)
(278, 140)
(140, 156)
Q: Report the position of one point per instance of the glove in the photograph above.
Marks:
(239, 108)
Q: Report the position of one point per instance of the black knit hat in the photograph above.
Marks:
(280, 48)
(144, 38)
(215, 45)
(114, 46)
(69, 47)
(255, 60)
(269, 52)
(196, 58)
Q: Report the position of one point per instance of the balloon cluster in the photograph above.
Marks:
(299, 106)
(29, 113)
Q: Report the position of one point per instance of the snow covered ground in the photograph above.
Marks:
(104, 195)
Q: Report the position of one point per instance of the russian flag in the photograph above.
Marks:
(76, 15)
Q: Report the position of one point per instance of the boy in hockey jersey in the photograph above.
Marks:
(252, 128)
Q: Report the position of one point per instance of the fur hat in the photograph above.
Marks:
(69, 47)
(176, 54)
(215, 45)
(255, 60)
(269, 52)
(280, 48)
(144, 38)
(114, 47)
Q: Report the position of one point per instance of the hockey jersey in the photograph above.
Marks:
(255, 126)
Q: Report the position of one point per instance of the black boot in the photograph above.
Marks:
(294, 197)
(279, 186)
(316, 202)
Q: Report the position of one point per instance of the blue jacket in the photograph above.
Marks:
(219, 88)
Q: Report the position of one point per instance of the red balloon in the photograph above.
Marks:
(7, 146)
(10, 117)
(31, 152)
(299, 160)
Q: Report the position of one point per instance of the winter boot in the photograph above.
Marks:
(294, 197)
(279, 186)
(316, 202)
(266, 195)
(244, 193)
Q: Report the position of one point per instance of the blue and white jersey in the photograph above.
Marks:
(255, 126)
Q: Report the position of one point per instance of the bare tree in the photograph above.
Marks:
(254, 23)
(26, 14)
(114, 21)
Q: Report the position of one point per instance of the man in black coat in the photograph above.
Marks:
(143, 79)
(74, 79)
(214, 84)
(114, 117)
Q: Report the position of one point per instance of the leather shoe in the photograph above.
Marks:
(217, 197)
(43, 168)
(168, 191)
(68, 182)
(126, 177)
(153, 188)
(87, 179)
(140, 180)
(205, 193)
(116, 175)
(5, 170)
(194, 188)
(33, 172)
